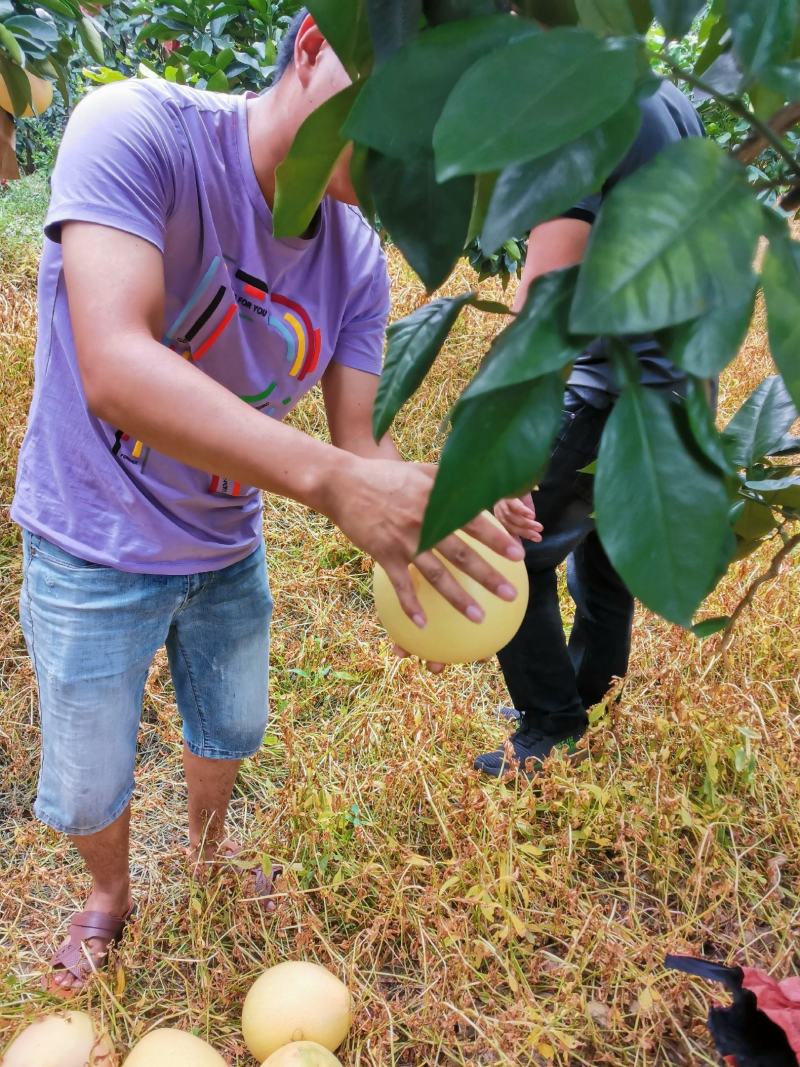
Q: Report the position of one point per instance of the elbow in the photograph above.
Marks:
(102, 396)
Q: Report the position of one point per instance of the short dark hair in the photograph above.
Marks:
(285, 56)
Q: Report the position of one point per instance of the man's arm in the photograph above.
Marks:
(552, 246)
(349, 399)
(134, 382)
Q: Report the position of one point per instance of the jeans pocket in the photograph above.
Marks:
(42, 548)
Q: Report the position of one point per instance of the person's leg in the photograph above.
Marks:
(536, 663)
(600, 642)
(218, 648)
(91, 634)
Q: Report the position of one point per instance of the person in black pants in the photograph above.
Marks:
(553, 682)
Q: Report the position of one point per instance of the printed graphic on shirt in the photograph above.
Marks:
(215, 305)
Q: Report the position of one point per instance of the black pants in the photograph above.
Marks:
(552, 680)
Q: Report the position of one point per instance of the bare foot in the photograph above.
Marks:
(77, 958)
(218, 855)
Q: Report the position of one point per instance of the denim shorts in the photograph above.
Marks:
(92, 633)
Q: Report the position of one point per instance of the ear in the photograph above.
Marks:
(307, 47)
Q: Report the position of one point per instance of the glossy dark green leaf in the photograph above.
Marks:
(554, 87)
(706, 345)
(606, 16)
(19, 88)
(499, 446)
(673, 241)
(789, 446)
(439, 11)
(708, 627)
(677, 16)
(29, 26)
(527, 194)
(718, 42)
(662, 514)
(398, 109)
(784, 78)
(391, 24)
(642, 14)
(703, 427)
(536, 342)
(345, 26)
(550, 12)
(302, 177)
(428, 221)
(762, 32)
(761, 423)
(484, 187)
(413, 345)
(781, 277)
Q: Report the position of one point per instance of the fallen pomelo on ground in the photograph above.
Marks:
(173, 1048)
(302, 1054)
(449, 636)
(63, 1039)
(295, 1001)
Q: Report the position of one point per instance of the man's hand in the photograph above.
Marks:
(380, 504)
(518, 515)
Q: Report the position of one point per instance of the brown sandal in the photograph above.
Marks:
(77, 961)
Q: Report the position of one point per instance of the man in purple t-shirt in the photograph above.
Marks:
(175, 332)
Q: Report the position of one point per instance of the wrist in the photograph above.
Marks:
(330, 481)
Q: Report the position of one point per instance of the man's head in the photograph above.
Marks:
(308, 73)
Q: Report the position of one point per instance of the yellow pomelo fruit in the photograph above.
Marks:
(173, 1048)
(295, 1001)
(64, 1039)
(449, 636)
(302, 1054)
(41, 91)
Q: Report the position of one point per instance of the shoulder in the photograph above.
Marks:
(355, 240)
(142, 102)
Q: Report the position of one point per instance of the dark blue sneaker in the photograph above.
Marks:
(526, 750)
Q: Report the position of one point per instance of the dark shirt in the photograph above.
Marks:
(667, 116)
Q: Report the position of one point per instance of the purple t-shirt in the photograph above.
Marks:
(262, 316)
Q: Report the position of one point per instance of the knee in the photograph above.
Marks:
(80, 808)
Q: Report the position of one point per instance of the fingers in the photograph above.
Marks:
(434, 668)
(518, 516)
(500, 541)
(445, 583)
(400, 578)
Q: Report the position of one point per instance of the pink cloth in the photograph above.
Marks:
(778, 1000)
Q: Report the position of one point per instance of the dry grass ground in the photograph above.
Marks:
(475, 923)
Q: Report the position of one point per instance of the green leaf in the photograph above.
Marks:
(439, 11)
(35, 29)
(92, 41)
(677, 16)
(703, 427)
(537, 341)
(345, 27)
(218, 82)
(392, 23)
(400, 104)
(224, 58)
(784, 78)
(550, 12)
(717, 43)
(789, 446)
(762, 32)
(527, 194)
(499, 445)
(484, 186)
(662, 513)
(761, 423)
(706, 345)
(10, 45)
(428, 221)
(506, 419)
(672, 241)
(709, 627)
(19, 88)
(778, 492)
(606, 16)
(554, 87)
(62, 7)
(413, 344)
(301, 179)
(781, 277)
